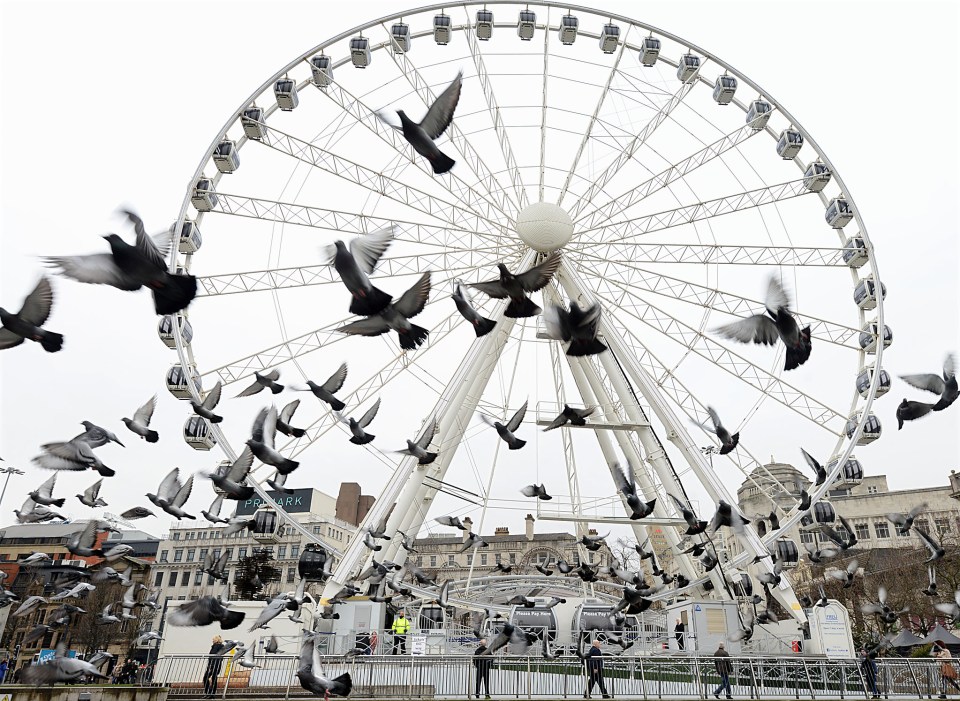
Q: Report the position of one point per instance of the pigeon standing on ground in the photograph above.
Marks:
(506, 431)
(140, 424)
(209, 403)
(129, 268)
(945, 386)
(91, 495)
(262, 442)
(578, 327)
(357, 262)
(422, 136)
(418, 448)
(396, 317)
(333, 384)
(575, 417)
(43, 494)
(627, 485)
(481, 325)
(359, 436)
(777, 323)
(262, 381)
(727, 441)
(172, 495)
(26, 323)
(516, 287)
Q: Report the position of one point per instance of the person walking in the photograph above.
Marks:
(721, 661)
(213, 667)
(594, 660)
(3, 669)
(678, 630)
(948, 673)
(400, 628)
(482, 663)
(868, 667)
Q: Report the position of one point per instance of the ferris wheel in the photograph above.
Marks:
(671, 184)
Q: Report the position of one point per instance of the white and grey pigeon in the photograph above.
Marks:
(116, 552)
(481, 326)
(247, 660)
(273, 609)
(576, 327)
(209, 403)
(278, 483)
(140, 423)
(83, 543)
(32, 512)
(453, 521)
(945, 385)
(147, 637)
(76, 455)
(262, 381)
(203, 612)
(31, 604)
(396, 316)
(506, 431)
(408, 542)
(231, 481)
(26, 323)
(43, 494)
(91, 495)
(262, 442)
(355, 263)
(332, 385)
(77, 591)
(473, 541)
(904, 522)
(536, 490)
(107, 617)
(284, 419)
(418, 448)
(172, 494)
(62, 669)
(213, 513)
(216, 566)
(359, 436)
(728, 441)
(627, 485)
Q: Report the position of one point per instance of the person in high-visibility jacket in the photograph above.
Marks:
(400, 628)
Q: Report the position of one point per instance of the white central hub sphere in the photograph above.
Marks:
(544, 227)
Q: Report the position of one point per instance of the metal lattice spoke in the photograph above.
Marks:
(626, 252)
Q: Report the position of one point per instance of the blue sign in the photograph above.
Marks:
(47, 654)
(297, 503)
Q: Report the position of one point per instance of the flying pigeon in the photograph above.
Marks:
(277, 483)
(147, 637)
(361, 437)
(694, 526)
(61, 669)
(727, 442)
(909, 410)
(516, 287)
(473, 541)
(845, 540)
(536, 490)
(904, 522)
(727, 516)
(273, 647)
(172, 495)
(209, 403)
(273, 609)
(77, 453)
(262, 381)
(357, 262)
(231, 480)
(107, 617)
(506, 431)
(262, 442)
(817, 468)
(576, 417)
(203, 612)
(935, 549)
(284, 419)
(626, 484)
(882, 609)
(27, 322)
(216, 566)
(116, 552)
(422, 136)
(333, 384)
(418, 448)
(28, 606)
(543, 569)
(407, 542)
(453, 521)
(462, 299)
(135, 513)
(140, 424)
(129, 268)
(777, 323)
(396, 316)
(43, 494)
(513, 635)
(311, 678)
(91, 495)
(578, 327)
(83, 542)
(846, 576)
(945, 386)
(593, 542)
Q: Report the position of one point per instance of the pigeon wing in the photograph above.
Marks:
(336, 380)
(753, 329)
(413, 300)
(213, 397)
(427, 436)
(286, 414)
(491, 288)
(36, 307)
(948, 366)
(776, 297)
(368, 249)
(94, 269)
(93, 491)
(145, 244)
(241, 467)
(538, 276)
(46, 489)
(620, 479)
(371, 326)
(815, 466)
(928, 382)
(8, 339)
(170, 484)
(517, 418)
(553, 321)
(145, 413)
(369, 415)
(440, 114)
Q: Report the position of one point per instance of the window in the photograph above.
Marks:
(294, 551)
(496, 558)
(181, 598)
(513, 558)
(469, 559)
(203, 554)
(483, 558)
(229, 554)
(862, 530)
(158, 580)
(433, 560)
(451, 560)
(185, 579)
(291, 574)
(317, 530)
(943, 525)
(175, 535)
(178, 555)
(922, 524)
(163, 555)
(806, 537)
(191, 554)
(198, 578)
(216, 553)
(881, 529)
(281, 552)
(872, 489)
(241, 553)
(173, 578)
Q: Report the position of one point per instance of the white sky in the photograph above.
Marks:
(107, 104)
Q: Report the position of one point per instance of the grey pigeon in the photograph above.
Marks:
(576, 417)
(272, 647)
(231, 480)
(32, 512)
(577, 327)
(627, 485)
(129, 268)
(536, 490)
(213, 513)
(76, 455)
(514, 635)
(172, 495)
(453, 521)
(846, 576)
(261, 381)
(593, 542)
(473, 541)
(481, 325)
(136, 512)
(117, 551)
(355, 263)
(909, 410)
(516, 287)
(506, 431)
(27, 322)
(368, 540)
(818, 469)
(361, 437)
(78, 591)
(422, 135)
(396, 316)
(277, 483)
(247, 660)
(91, 495)
(777, 323)
(43, 494)
(216, 566)
(284, 419)
(333, 384)
(140, 424)
(107, 617)
(418, 448)
(147, 637)
(83, 542)
(96, 436)
(209, 403)
(312, 679)
(262, 442)
(61, 669)
(904, 522)
(237, 524)
(728, 441)
(951, 609)
(273, 609)
(407, 542)
(28, 606)
(694, 526)
(933, 547)
(203, 612)
(727, 516)
(945, 386)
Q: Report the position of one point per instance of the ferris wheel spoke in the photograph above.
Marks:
(621, 297)
(497, 194)
(599, 214)
(593, 119)
(628, 252)
(543, 116)
(712, 298)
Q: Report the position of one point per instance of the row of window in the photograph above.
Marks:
(177, 578)
(195, 555)
(541, 559)
(883, 529)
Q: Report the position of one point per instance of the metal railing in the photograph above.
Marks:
(450, 677)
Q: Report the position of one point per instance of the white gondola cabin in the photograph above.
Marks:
(609, 38)
(401, 37)
(568, 29)
(742, 584)
(852, 473)
(204, 198)
(724, 89)
(198, 433)
(871, 429)
(441, 29)
(838, 213)
(855, 252)
(165, 329)
(285, 90)
(526, 24)
(816, 176)
(865, 377)
(360, 52)
(865, 293)
(252, 122)
(649, 51)
(267, 527)
(179, 380)
(221, 470)
(688, 67)
(321, 66)
(823, 512)
(190, 239)
(869, 335)
(484, 25)
(313, 565)
(788, 555)
(789, 144)
(758, 114)
(226, 156)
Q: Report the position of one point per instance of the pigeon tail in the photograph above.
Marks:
(412, 339)
(216, 419)
(372, 303)
(728, 448)
(483, 326)
(427, 459)
(231, 619)
(105, 471)
(516, 444)
(580, 347)
(797, 355)
(287, 466)
(441, 163)
(152, 436)
(175, 293)
(342, 685)
(337, 405)
(51, 342)
(362, 441)
(275, 388)
(297, 432)
(520, 309)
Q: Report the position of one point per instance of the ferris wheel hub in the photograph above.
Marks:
(544, 227)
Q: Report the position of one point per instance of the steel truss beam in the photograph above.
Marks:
(626, 252)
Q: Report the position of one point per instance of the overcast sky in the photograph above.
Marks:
(110, 104)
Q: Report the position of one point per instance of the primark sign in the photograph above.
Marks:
(297, 503)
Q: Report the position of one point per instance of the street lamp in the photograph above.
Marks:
(8, 471)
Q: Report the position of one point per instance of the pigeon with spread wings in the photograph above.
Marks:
(26, 323)
(355, 263)
(423, 134)
(396, 317)
(359, 436)
(516, 287)
(506, 431)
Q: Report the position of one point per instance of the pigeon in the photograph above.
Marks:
(83, 543)
(727, 516)
(361, 437)
(473, 541)
(27, 322)
(421, 577)
(952, 609)
(904, 522)
(91, 495)
(396, 317)
(882, 609)
(694, 526)
(578, 327)
(931, 589)
(564, 566)
(273, 609)
(140, 424)
(464, 302)
(209, 403)
(262, 381)
(421, 136)
(772, 579)
(945, 386)
(247, 660)
(36, 633)
(78, 591)
(805, 501)
(500, 567)
(235, 525)
(107, 617)
(407, 542)
(203, 612)
(936, 549)
(136, 512)
(43, 494)
(536, 490)
(262, 442)
(116, 552)
(818, 555)
(32, 512)
(213, 513)
(215, 566)
(845, 540)
(593, 542)
(61, 669)
(147, 637)
(371, 544)
(846, 576)
(453, 521)
(272, 647)
(506, 431)
(96, 436)
(277, 483)
(909, 410)
(575, 417)
(172, 495)
(284, 419)
(777, 323)
(513, 635)
(28, 606)
(727, 442)
(355, 263)
(374, 574)
(129, 268)
(626, 484)
(333, 384)
(231, 480)
(516, 287)
(817, 468)
(312, 680)
(543, 569)
(418, 448)
(75, 454)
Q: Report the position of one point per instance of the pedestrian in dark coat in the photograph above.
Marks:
(721, 661)
(678, 632)
(213, 668)
(594, 661)
(482, 663)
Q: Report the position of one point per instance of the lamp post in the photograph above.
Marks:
(8, 471)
